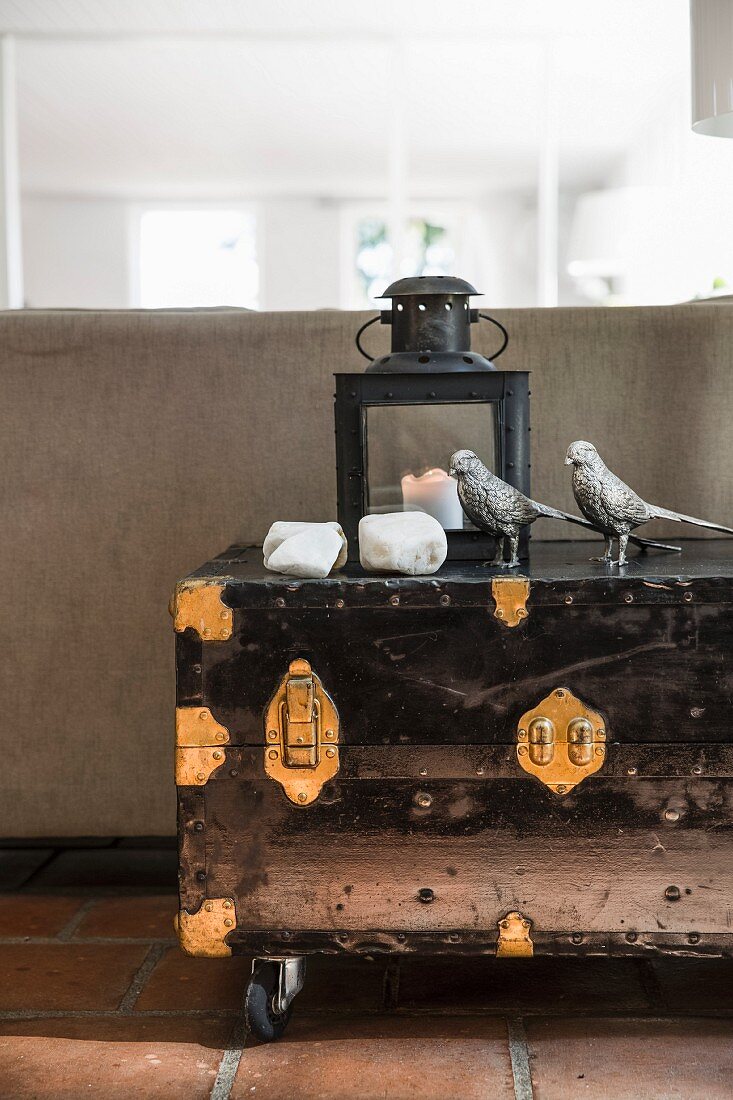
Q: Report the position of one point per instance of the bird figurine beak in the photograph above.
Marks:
(568, 460)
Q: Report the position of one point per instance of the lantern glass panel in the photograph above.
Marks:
(408, 448)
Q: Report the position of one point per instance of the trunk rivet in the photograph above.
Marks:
(672, 893)
(671, 815)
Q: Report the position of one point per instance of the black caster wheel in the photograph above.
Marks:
(267, 1009)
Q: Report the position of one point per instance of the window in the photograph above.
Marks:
(429, 248)
(197, 257)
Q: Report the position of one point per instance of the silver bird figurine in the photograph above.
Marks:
(611, 506)
(500, 510)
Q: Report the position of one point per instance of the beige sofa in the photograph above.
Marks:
(137, 444)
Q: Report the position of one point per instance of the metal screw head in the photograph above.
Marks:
(272, 753)
(279, 602)
(687, 597)
(499, 613)
(631, 771)
(601, 734)
(302, 796)
(672, 893)
(453, 937)
(223, 633)
(220, 736)
(672, 815)
(423, 771)
(198, 826)
(445, 600)
(224, 615)
(628, 598)
(521, 750)
(521, 613)
(694, 937)
(217, 754)
(201, 876)
(339, 603)
(569, 599)
(479, 771)
(209, 906)
(600, 750)
(272, 734)
(394, 600)
(203, 714)
(329, 734)
(561, 788)
(422, 798)
(631, 937)
(227, 905)
(560, 693)
(697, 770)
(330, 752)
(425, 895)
(228, 922)
(207, 632)
(401, 937)
(576, 938)
(200, 776)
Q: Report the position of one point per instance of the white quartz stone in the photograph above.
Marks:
(402, 542)
(304, 549)
(284, 529)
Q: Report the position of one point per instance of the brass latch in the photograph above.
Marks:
(514, 939)
(561, 741)
(301, 735)
(510, 596)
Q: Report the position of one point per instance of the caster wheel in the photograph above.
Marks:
(259, 1014)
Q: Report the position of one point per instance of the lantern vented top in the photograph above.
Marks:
(428, 284)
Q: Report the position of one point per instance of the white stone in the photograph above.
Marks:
(402, 542)
(311, 551)
(284, 529)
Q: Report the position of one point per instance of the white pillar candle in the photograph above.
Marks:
(437, 494)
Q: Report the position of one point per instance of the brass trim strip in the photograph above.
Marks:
(196, 727)
(197, 603)
(510, 595)
(195, 766)
(203, 933)
(514, 939)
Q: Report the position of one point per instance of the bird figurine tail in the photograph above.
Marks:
(678, 517)
(645, 544)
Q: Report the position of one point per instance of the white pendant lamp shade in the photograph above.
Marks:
(711, 27)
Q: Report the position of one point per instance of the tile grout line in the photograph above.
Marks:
(230, 1060)
(148, 965)
(519, 1054)
(76, 920)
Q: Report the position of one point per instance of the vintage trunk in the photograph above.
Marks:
(472, 762)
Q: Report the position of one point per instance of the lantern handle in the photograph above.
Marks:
(499, 325)
(357, 341)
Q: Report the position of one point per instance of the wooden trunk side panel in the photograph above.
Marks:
(599, 860)
(456, 675)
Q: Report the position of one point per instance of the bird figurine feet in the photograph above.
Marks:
(611, 506)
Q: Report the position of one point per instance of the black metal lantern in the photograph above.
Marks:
(398, 423)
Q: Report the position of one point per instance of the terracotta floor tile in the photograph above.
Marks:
(331, 1058)
(110, 1059)
(695, 985)
(536, 985)
(629, 1059)
(66, 975)
(136, 918)
(181, 982)
(34, 915)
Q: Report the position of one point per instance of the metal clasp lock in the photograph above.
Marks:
(301, 734)
(561, 741)
(299, 722)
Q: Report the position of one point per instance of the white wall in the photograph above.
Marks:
(75, 253)
(300, 254)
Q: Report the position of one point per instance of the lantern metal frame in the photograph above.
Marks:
(508, 391)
